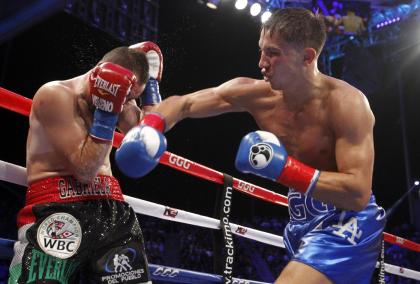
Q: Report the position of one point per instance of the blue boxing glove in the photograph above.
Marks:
(142, 147)
(261, 153)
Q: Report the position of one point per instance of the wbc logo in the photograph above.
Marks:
(59, 235)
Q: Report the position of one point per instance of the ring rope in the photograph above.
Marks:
(159, 211)
(401, 271)
(172, 214)
(22, 105)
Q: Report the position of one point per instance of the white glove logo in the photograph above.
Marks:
(260, 155)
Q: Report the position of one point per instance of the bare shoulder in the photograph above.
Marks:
(54, 91)
(249, 84)
(244, 90)
(53, 99)
(245, 80)
(348, 104)
(344, 95)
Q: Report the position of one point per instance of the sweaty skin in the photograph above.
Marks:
(58, 141)
(322, 121)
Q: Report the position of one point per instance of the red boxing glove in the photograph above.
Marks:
(109, 85)
(154, 57)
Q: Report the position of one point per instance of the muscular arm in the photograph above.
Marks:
(55, 108)
(236, 95)
(350, 187)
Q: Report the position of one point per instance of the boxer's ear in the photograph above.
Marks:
(309, 55)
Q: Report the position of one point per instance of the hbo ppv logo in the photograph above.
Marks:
(166, 271)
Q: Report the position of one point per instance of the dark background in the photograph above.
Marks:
(204, 48)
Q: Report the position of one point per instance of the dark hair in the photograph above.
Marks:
(130, 59)
(297, 26)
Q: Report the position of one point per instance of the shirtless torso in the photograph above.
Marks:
(326, 128)
(58, 135)
(71, 187)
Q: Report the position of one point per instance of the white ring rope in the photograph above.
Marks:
(401, 271)
(161, 211)
(17, 175)
(13, 173)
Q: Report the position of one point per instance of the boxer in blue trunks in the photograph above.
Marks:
(316, 138)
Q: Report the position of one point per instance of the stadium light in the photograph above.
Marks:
(255, 9)
(212, 4)
(241, 4)
(265, 16)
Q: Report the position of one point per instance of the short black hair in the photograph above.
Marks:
(297, 26)
(130, 59)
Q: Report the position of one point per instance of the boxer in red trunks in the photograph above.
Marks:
(75, 219)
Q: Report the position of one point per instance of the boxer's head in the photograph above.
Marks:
(298, 27)
(132, 60)
(290, 42)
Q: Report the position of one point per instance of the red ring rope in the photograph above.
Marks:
(22, 105)
(15, 102)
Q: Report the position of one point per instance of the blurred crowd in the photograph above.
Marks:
(344, 20)
(349, 24)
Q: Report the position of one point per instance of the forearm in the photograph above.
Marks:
(203, 103)
(173, 109)
(86, 162)
(344, 190)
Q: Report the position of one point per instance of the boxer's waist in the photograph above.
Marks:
(303, 208)
(69, 189)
